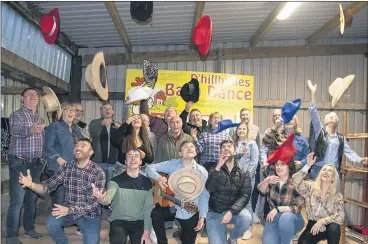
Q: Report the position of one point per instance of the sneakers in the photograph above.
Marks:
(153, 236)
(204, 232)
(248, 234)
(33, 234)
(229, 241)
(295, 237)
(256, 219)
(78, 231)
(13, 240)
(177, 234)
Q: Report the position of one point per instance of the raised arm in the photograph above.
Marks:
(302, 186)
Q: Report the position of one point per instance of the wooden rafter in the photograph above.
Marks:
(234, 53)
(28, 11)
(115, 16)
(197, 15)
(18, 68)
(333, 23)
(266, 25)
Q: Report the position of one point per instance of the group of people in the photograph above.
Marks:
(228, 176)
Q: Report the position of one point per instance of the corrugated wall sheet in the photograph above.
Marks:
(10, 103)
(24, 39)
(275, 78)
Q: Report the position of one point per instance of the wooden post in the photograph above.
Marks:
(76, 79)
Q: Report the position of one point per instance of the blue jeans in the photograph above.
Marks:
(20, 196)
(59, 194)
(282, 228)
(89, 227)
(108, 169)
(217, 232)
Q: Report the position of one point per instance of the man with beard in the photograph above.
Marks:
(131, 196)
(230, 187)
(189, 222)
(80, 206)
(195, 120)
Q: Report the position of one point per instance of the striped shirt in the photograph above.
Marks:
(78, 188)
(22, 142)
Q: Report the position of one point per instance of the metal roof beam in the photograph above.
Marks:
(266, 25)
(197, 15)
(28, 11)
(16, 67)
(114, 13)
(333, 23)
(234, 53)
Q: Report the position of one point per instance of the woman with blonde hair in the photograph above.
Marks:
(60, 138)
(324, 203)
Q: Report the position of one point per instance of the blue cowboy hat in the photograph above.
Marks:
(289, 110)
(224, 124)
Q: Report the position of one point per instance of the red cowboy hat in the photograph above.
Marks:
(50, 25)
(285, 152)
(202, 35)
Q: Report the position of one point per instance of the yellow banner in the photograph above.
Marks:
(224, 93)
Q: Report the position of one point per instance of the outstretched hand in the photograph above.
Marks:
(25, 181)
(311, 86)
(99, 194)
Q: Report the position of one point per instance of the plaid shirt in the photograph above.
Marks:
(287, 196)
(78, 189)
(208, 146)
(22, 142)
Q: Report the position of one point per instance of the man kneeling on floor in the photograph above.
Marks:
(187, 180)
(230, 187)
(80, 206)
(132, 201)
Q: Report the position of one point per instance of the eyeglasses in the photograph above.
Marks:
(79, 111)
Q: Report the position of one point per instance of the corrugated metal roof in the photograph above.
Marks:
(25, 40)
(306, 19)
(89, 24)
(236, 21)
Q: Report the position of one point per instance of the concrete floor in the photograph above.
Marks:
(76, 239)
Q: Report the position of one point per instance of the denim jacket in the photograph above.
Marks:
(59, 142)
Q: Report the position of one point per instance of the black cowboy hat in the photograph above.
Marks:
(141, 12)
(190, 91)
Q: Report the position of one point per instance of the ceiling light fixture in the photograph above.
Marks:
(287, 10)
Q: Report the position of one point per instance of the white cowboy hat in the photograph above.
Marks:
(93, 78)
(186, 183)
(138, 93)
(338, 87)
(50, 100)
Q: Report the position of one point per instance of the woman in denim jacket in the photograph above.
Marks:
(60, 138)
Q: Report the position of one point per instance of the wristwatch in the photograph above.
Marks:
(277, 209)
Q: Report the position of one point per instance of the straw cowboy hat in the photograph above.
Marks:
(138, 93)
(187, 184)
(50, 100)
(338, 87)
(289, 110)
(93, 78)
(346, 19)
(50, 25)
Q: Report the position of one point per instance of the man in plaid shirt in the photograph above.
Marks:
(25, 153)
(284, 218)
(80, 206)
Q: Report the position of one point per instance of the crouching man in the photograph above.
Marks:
(80, 206)
(230, 187)
(132, 201)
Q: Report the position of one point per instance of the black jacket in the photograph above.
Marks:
(229, 191)
(187, 126)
